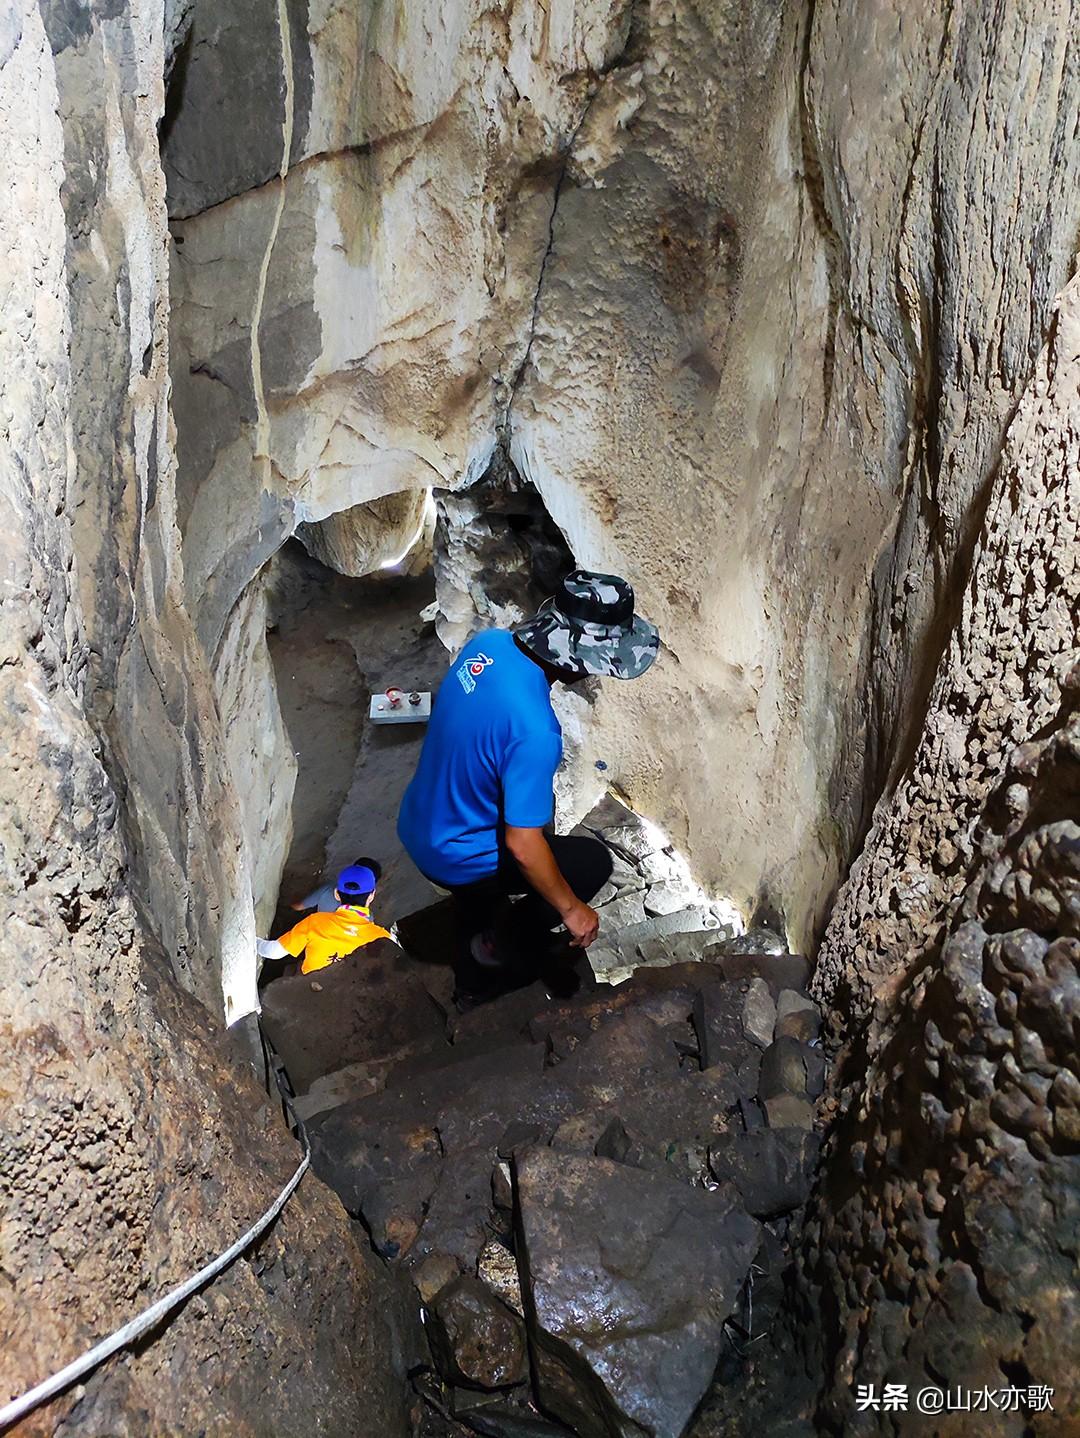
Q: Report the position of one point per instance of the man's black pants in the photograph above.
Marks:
(520, 930)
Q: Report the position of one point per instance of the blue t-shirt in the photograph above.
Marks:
(490, 754)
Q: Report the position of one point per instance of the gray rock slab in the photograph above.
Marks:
(669, 896)
(759, 1013)
(655, 868)
(675, 948)
(608, 814)
(620, 913)
(630, 1277)
(692, 920)
(608, 962)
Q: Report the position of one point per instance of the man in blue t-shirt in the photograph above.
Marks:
(474, 816)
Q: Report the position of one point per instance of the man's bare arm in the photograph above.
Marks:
(533, 855)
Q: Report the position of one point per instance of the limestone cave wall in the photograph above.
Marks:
(942, 1243)
(748, 294)
(136, 1144)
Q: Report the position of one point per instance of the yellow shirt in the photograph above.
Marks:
(324, 938)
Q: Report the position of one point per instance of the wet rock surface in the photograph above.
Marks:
(598, 1167)
(629, 1277)
(475, 1338)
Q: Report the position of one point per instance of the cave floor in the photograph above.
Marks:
(648, 1139)
(335, 642)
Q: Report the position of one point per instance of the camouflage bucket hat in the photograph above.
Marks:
(589, 627)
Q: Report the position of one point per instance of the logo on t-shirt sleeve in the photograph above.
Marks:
(470, 670)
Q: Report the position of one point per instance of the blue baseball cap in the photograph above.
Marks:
(355, 881)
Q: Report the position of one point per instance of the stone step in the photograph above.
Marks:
(367, 1007)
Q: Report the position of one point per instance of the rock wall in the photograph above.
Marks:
(782, 326)
(145, 681)
(134, 1145)
(749, 296)
(943, 1239)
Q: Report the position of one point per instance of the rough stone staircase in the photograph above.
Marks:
(590, 1195)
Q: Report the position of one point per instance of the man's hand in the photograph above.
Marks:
(534, 858)
(582, 924)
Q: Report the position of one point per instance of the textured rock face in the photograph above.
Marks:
(998, 685)
(769, 379)
(144, 678)
(359, 540)
(336, 328)
(977, 1279)
(133, 1148)
(955, 952)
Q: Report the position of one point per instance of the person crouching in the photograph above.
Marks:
(324, 938)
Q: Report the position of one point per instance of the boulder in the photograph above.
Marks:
(788, 1110)
(671, 1125)
(432, 1275)
(629, 1278)
(460, 1210)
(369, 1006)
(475, 1339)
(780, 971)
(771, 1168)
(383, 1164)
(788, 1066)
(625, 1054)
(797, 1017)
(582, 1133)
(759, 1012)
(718, 1015)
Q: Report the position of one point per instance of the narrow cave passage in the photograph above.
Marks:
(335, 641)
(775, 308)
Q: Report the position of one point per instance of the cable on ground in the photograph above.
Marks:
(150, 1317)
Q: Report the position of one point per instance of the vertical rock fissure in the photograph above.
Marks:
(503, 427)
